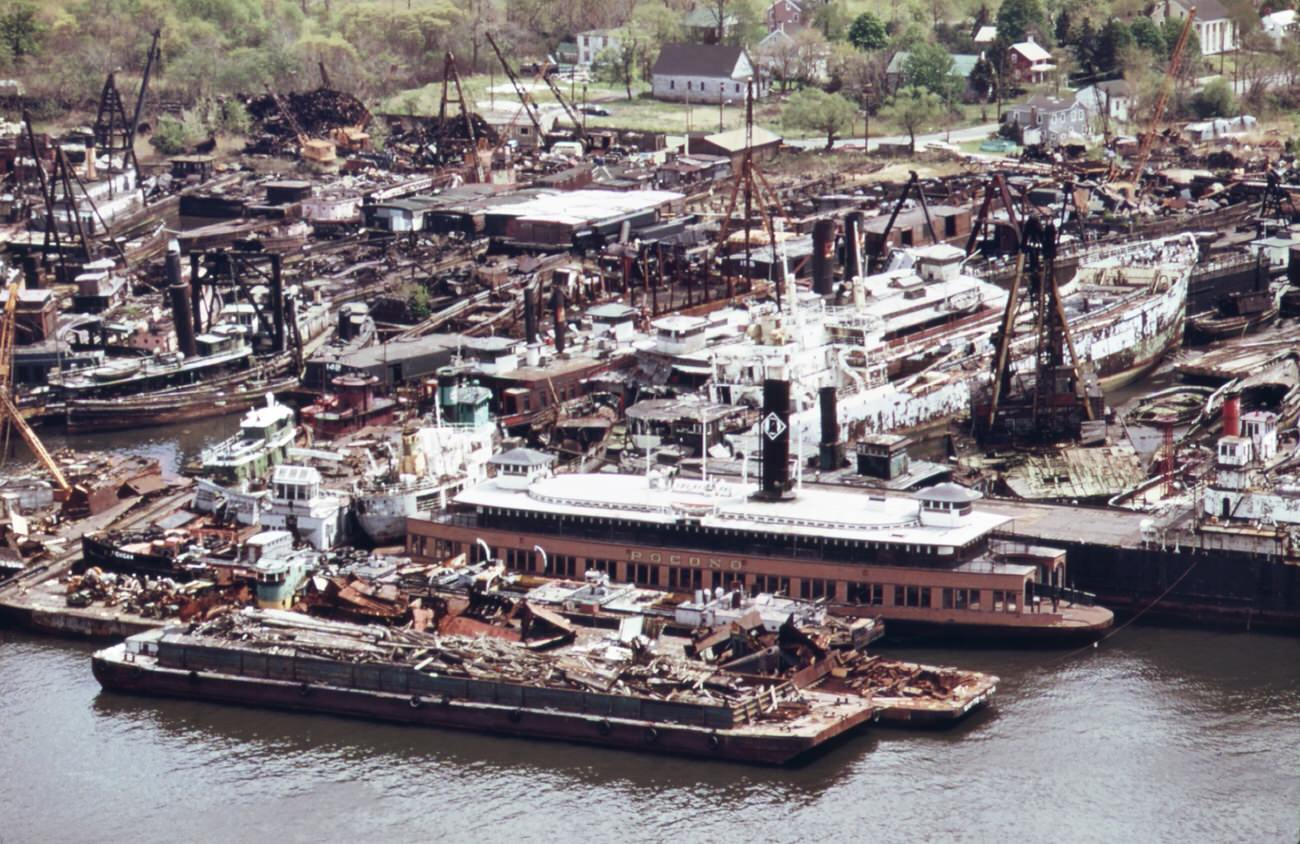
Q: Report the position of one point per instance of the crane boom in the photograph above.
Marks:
(578, 131)
(1162, 99)
(524, 99)
(9, 413)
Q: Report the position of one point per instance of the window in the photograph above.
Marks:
(974, 601)
(672, 84)
(925, 596)
(913, 596)
(688, 84)
(737, 87)
(898, 597)
(947, 599)
(998, 600)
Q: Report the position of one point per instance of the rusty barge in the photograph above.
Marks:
(616, 694)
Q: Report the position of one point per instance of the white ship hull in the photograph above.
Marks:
(383, 514)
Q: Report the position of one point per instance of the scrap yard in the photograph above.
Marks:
(506, 415)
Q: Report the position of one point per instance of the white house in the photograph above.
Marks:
(703, 73)
(1048, 120)
(1214, 25)
(1112, 98)
(594, 42)
(1280, 25)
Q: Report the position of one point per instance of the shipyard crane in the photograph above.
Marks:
(580, 133)
(450, 73)
(155, 55)
(10, 416)
(1162, 99)
(525, 100)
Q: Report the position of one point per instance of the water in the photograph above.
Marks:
(1161, 735)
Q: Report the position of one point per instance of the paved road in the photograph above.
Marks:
(957, 136)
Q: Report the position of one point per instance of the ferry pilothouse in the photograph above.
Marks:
(926, 565)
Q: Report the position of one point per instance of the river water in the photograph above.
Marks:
(1158, 735)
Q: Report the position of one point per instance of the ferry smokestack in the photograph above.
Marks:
(831, 453)
(530, 312)
(179, 291)
(774, 440)
(853, 244)
(557, 307)
(823, 257)
(1232, 415)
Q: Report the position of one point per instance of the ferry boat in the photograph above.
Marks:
(435, 463)
(219, 353)
(925, 565)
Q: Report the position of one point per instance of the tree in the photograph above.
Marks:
(831, 19)
(913, 108)
(1112, 41)
(982, 79)
(1017, 17)
(1063, 27)
(1148, 36)
(20, 29)
(868, 33)
(812, 51)
(1215, 100)
(815, 110)
(929, 66)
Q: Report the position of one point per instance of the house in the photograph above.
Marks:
(1280, 26)
(510, 121)
(701, 23)
(1048, 120)
(704, 73)
(783, 13)
(764, 144)
(1030, 63)
(1112, 98)
(962, 67)
(1214, 25)
(594, 42)
(985, 35)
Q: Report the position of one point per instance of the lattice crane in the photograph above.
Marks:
(1162, 99)
(9, 413)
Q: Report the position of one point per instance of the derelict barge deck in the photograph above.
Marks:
(660, 705)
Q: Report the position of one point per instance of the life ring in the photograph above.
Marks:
(651, 735)
(515, 716)
(416, 702)
(604, 727)
(714, 741)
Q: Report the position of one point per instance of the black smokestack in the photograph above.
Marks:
(31, 271)
(774, 439)
(277, 304)
(530, 312)
(182, 314)
(1293, 266)
(831, 452)
(823, 257)
(558, 301)
(853, 244)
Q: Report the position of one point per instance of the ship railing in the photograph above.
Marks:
(1063, 593)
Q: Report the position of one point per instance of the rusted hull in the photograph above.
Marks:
(770, 748)
(96, 415)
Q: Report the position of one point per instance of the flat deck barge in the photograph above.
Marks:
(593, 692)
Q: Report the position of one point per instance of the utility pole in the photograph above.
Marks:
(866, 116)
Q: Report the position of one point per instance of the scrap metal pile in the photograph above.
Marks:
(317, 113)
(888, 678)
(437, 140)
(593, 664)
(160, 598)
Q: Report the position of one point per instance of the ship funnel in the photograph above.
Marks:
(853, 244)
(831, 452)
(823, 257)
(530, 313)
(558, 298)
(1232, 414)
(774, 440)
(182, 311)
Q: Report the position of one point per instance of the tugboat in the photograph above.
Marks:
(1238, 314)
(436, 462)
